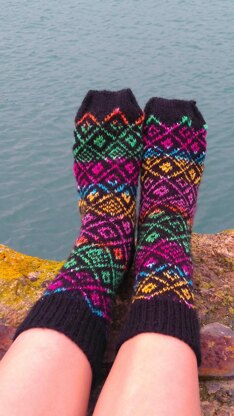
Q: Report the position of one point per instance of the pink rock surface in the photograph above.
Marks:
(6, 334)
(217, 343)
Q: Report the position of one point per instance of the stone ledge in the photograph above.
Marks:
(23, 279)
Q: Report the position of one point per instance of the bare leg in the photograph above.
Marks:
(156, 374)
(44, 373)
(153, 374)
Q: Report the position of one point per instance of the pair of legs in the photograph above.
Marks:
(58, 348)
(45, 373)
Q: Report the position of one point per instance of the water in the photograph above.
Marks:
(52, 52)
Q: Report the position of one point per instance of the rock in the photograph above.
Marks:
(21, 283)
(213, 409)
(213, 257)
(23, 279)
(6, 335)
(217, 343)
(217, 397)
(217, 385)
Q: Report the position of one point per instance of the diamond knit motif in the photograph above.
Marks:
(171, 173)
(107, 156)
(172, 167)
(107, 191)
(174, 140)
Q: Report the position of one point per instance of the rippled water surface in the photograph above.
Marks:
(52, 52)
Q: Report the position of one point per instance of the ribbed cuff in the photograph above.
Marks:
(170, 111)
(103, 102)
(166, 317)
(71, 316)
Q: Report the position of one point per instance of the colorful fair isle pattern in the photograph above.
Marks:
(172, 166)
(107, 162)
(171, 173)
(107, 156)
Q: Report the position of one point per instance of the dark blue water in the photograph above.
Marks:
(52, 52)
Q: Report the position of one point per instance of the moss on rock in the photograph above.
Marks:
(22, 280)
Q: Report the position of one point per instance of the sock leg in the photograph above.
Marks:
(107, 154)
(174, 150)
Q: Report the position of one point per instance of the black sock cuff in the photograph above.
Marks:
(71, 316)
(165, 317)
(171, 111)
(103, 102)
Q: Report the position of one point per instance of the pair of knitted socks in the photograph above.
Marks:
(115, 141)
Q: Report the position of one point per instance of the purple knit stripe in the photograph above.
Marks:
(163, 251)
(186, 138)
(113, 230)
(122, 170)
(89, 288)
(165, 193)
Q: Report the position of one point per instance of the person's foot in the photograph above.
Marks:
(107, 152)
(174, 150)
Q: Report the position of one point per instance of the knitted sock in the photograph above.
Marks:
(107, 152)
(174, 139)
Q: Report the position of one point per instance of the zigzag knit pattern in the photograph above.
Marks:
(174, 151)
(107, 154)
(107, 163)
